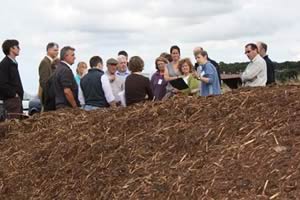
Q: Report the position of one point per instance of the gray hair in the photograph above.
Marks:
(122, 58)
(197, 50)
(64, 51)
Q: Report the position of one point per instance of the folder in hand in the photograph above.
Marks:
(179, 84)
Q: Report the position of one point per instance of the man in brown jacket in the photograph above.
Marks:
(47, 68)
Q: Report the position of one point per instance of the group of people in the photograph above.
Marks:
(123, 82)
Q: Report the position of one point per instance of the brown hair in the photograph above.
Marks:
(160, 59)
(166, 56)
(174, 47)
(136, 64)
(252, 46)
(202, 53)
(187, 61)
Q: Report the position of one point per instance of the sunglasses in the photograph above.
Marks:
(246, 52)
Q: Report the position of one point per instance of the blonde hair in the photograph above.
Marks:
(79, 65)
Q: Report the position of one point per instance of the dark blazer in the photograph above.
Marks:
(270, 70)
(45, 71)
(10, 81)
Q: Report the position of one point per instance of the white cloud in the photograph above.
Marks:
(147, 28)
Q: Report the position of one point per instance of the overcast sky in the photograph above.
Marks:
(147, 28)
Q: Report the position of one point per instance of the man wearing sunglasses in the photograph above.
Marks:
(11, 88)
(255, 74)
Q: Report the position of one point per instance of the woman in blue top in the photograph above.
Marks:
(208, 75)
(81, 70)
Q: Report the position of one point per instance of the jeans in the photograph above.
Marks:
(89, 108)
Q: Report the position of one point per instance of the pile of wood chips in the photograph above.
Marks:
(244, 144)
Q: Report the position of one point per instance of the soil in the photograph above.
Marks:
(244, 144)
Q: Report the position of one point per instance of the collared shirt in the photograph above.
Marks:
(255, 74)
(51, 59)
(66, 64)
(14, 60)
(123, 75)
(117, 86)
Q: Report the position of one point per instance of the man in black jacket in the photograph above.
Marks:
(199, 49)
(11, 89)
(262, 50)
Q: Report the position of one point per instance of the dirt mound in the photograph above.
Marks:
(241, 145)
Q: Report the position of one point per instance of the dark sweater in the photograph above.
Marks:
(92, 89)
(10, 81)
(136, 88)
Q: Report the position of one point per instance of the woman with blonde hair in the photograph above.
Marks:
(81, 70)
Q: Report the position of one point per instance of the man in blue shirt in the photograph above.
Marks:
(208, 76)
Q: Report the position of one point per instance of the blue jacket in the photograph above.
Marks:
(209, 71)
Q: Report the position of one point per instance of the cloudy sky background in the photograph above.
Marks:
(147, 28)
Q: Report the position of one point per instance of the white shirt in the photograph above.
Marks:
(117, 86)
(255, 74)
(186, 78)
(106, 88)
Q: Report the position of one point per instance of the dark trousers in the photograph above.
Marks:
(13, 105)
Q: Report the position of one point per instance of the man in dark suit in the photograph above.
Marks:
(262, 50)
(66, 88)
(47, 68)
(199, 49)
(11, 88)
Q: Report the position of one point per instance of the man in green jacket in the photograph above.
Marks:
(47, 68)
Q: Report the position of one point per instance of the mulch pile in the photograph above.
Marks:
(244, 144)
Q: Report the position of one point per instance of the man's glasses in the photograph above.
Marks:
(246, 52)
